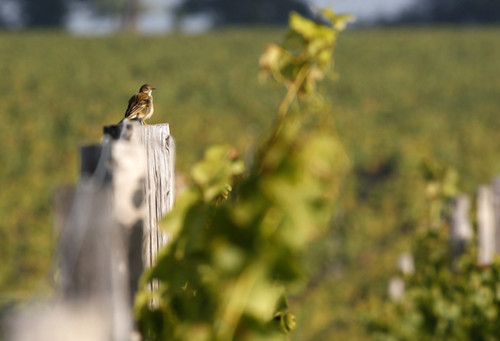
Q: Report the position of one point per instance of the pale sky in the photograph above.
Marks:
(365, 9)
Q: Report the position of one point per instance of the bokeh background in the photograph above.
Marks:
(417, 80)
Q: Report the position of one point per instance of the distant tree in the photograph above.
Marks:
(245, 12)
(125, 11)
(453, 11)
(44, 13)
(130, 15)
(2, 19)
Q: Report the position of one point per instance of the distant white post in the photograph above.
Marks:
(495, 186)
(485, 226)
(461, 228)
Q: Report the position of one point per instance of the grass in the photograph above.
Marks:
(402, 95)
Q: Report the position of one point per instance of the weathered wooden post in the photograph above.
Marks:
(485, 226)
(160, 156)
(110, 234)
(101, 246)
(396, 288)
(495, 185)
(461, 228)
(159, 183)
(406, 266)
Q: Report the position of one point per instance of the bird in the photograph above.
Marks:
(140, 106)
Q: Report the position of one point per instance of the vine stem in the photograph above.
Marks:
(292, 93)
(287, 101)
(284, 107)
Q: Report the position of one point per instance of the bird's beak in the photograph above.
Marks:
(153, 88)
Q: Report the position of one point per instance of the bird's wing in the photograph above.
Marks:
(136, 104)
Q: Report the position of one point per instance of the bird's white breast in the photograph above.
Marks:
(152, 109)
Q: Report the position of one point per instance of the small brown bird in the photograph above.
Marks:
(140, 106)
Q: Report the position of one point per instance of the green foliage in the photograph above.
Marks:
(440, 303)
(445, 299)
(305, 56)
(441, 186)
(225, 272)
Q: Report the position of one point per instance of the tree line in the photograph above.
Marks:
(52, 13)
(451, 12)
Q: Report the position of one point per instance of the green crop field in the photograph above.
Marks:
(402, 95)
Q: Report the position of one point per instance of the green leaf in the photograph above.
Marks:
(339, 22)
(214, 173)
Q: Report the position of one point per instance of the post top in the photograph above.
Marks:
(115, 130)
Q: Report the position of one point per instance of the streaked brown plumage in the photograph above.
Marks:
(140, 106)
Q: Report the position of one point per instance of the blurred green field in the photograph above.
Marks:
(402, 95)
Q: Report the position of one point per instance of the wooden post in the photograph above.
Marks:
(61, 205)
(495, 185)
(94, 243)
(83, 264)
(396, 288)
(485, 226)
(159, 185)
(110, 233)
(461, 228)
(160, 158)
(406, 264)
(129, 177)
